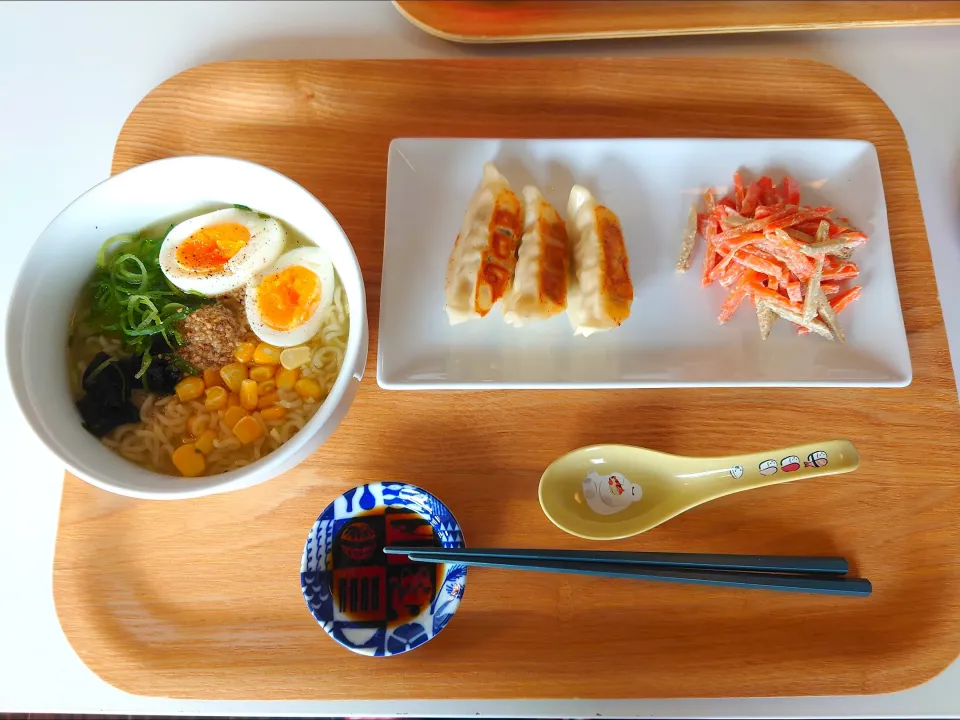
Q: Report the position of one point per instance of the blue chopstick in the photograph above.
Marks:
(700, 561)
(811, 584)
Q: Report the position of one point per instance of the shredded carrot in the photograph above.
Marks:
(843, 300)
(738, 190)
(726, 203)
(771, 297)
(792, 259)
(751, 199)
(709, 261)
(790, 191)
(732, 274)
(761, 264)
(736, 296)
(768, 194)
(847, 271)
(763, 245)
(754, 226)
(731, 249)
(794, 292)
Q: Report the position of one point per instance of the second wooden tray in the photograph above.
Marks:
(486, 21)
(201, 598)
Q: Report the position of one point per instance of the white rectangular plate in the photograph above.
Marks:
(672, 338)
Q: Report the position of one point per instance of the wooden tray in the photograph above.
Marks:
(482, 21)
(201, 598)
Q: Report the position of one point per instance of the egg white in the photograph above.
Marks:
(311, 258)
(267, 239)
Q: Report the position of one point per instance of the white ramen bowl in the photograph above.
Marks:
(62, 261)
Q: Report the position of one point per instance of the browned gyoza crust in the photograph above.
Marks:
(616, 289)
(555, 259)
(500, 258)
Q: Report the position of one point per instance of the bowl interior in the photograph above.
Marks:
(371, 603)
(62, 260)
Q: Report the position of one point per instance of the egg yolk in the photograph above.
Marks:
(211, 247)
(288, 298)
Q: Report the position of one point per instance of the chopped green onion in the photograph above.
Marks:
(144, 364)
(135, 277)
(102, 255)
(131, 297)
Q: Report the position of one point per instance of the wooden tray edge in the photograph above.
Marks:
(409, 15)
(512, 62)
(145, 690)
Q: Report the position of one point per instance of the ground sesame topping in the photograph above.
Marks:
(211, 334)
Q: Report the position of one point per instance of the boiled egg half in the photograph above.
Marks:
(285, 303)
(221, 251)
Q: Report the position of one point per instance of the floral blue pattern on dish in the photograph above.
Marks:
(366, 634)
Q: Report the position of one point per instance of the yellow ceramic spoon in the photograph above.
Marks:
(607, 492)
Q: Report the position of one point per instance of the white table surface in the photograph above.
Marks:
(70, 74)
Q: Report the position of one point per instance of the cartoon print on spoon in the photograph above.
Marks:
(816, 459)
(768, 467)
(790, 464)
(609, 494)
(736, 472)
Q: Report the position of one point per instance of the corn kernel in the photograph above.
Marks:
(268, 400)
(211, 378)
(266, 387)
(233, 374)
(262, 372)
(308, 388)
(204, 443)
(233, 400)
(247, 430)
(266, 355)
(190, 388)
(233, 415)
(294, 357)
(244, 352)
(273, 413)
(248, 395)
(286, 378)
(216, 398)
(189, 461)
(196, 424)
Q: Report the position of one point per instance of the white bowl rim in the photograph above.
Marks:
(351, 371)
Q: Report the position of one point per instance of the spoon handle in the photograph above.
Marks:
(743, 472)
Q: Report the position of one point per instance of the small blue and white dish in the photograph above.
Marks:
(370, 602)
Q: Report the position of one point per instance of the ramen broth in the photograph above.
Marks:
(371, 586)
